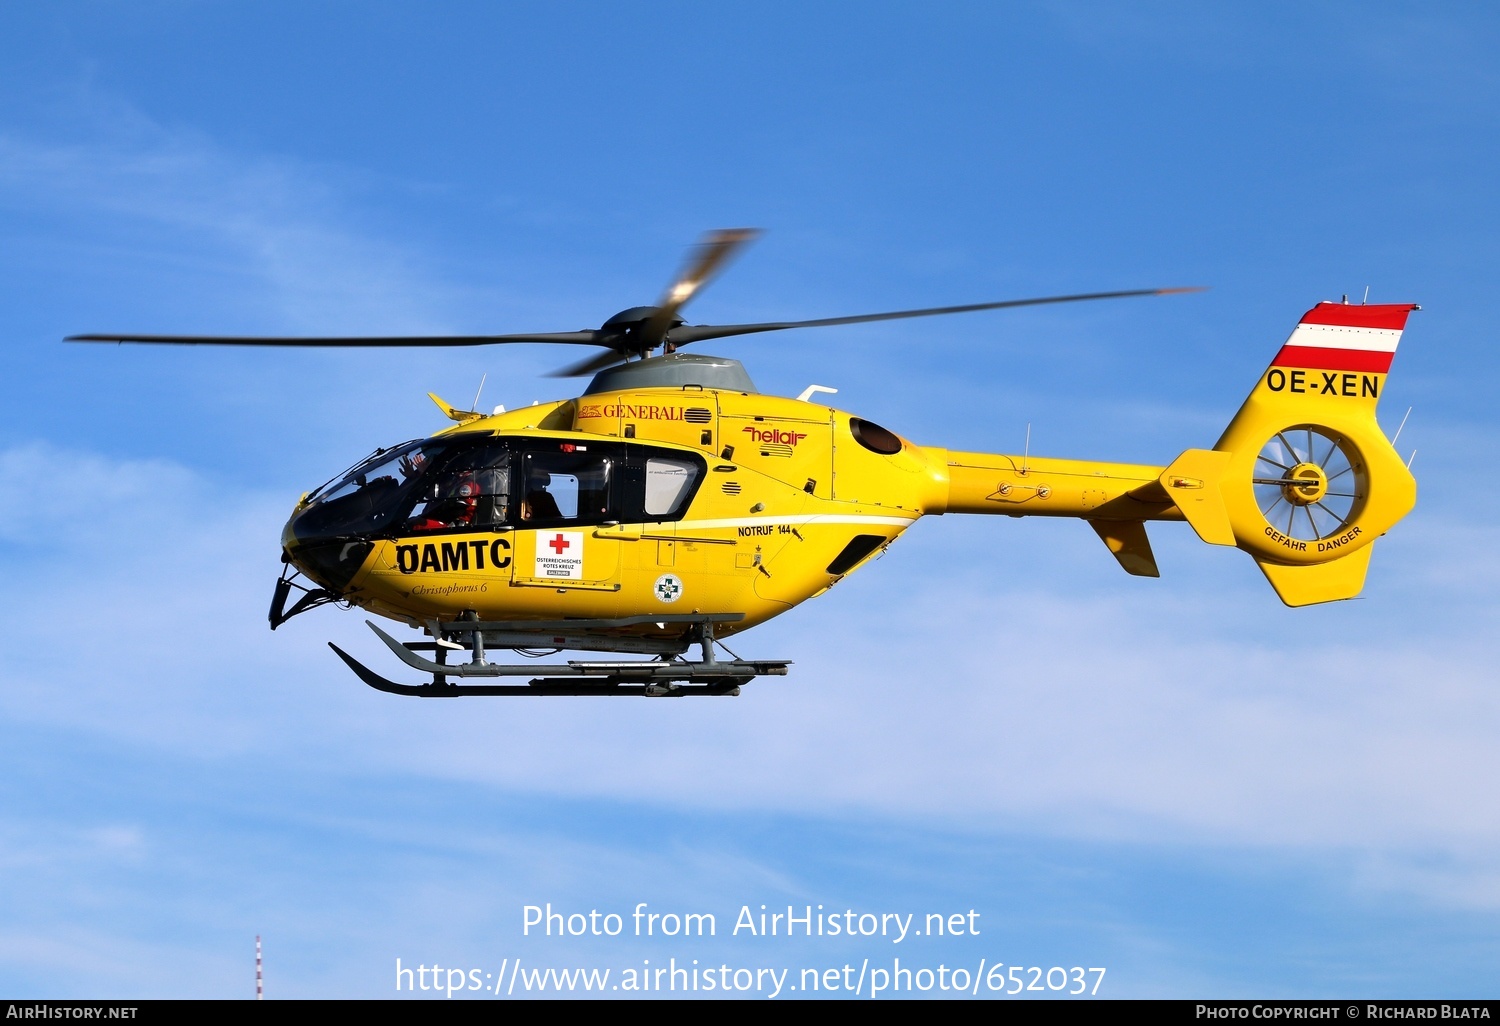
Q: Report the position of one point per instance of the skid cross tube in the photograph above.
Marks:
(580, 635)
(542, 626)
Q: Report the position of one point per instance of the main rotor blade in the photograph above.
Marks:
(684, 334)
(582, 338)
(589, 365)
(709, 257)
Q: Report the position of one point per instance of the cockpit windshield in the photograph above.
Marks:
(382, 462)
(373, 494)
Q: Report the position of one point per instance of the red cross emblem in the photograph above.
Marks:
(559, 543)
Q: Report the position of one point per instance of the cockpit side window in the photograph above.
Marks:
(472, 490)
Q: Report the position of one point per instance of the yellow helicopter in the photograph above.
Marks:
(672, 505)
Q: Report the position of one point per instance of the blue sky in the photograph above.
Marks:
(1179, 780)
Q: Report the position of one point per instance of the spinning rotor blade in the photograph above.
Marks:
(684, 334)
(582, 338)
(588, 365)
(633, 332)
(711, 256)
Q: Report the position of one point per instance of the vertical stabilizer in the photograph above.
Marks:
(1309, 479)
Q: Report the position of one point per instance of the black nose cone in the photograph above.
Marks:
(330, 558)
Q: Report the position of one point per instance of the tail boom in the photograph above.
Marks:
(1022, 486)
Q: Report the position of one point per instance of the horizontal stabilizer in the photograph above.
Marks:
(1341, 578)
(1128, 541)
(1192, 482)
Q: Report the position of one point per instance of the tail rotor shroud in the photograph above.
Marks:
(1309, 483)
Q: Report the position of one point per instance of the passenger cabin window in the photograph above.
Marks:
(565, 487)
(669, 481)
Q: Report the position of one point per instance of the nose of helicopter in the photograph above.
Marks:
(331, 559)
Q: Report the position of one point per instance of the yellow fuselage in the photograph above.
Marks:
(790, 502)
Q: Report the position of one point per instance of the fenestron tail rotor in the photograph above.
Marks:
(1307, 483)
(634, 332)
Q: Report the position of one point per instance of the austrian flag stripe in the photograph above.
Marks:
(1340, 337)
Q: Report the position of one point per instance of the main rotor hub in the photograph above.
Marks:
(1304, 484)
(675, 370)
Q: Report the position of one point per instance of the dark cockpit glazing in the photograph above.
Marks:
(369, 497)
(329, 537)
(483, 482)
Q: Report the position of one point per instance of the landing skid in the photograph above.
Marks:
(668, 676)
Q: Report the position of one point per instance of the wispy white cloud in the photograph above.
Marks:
(273, 225)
